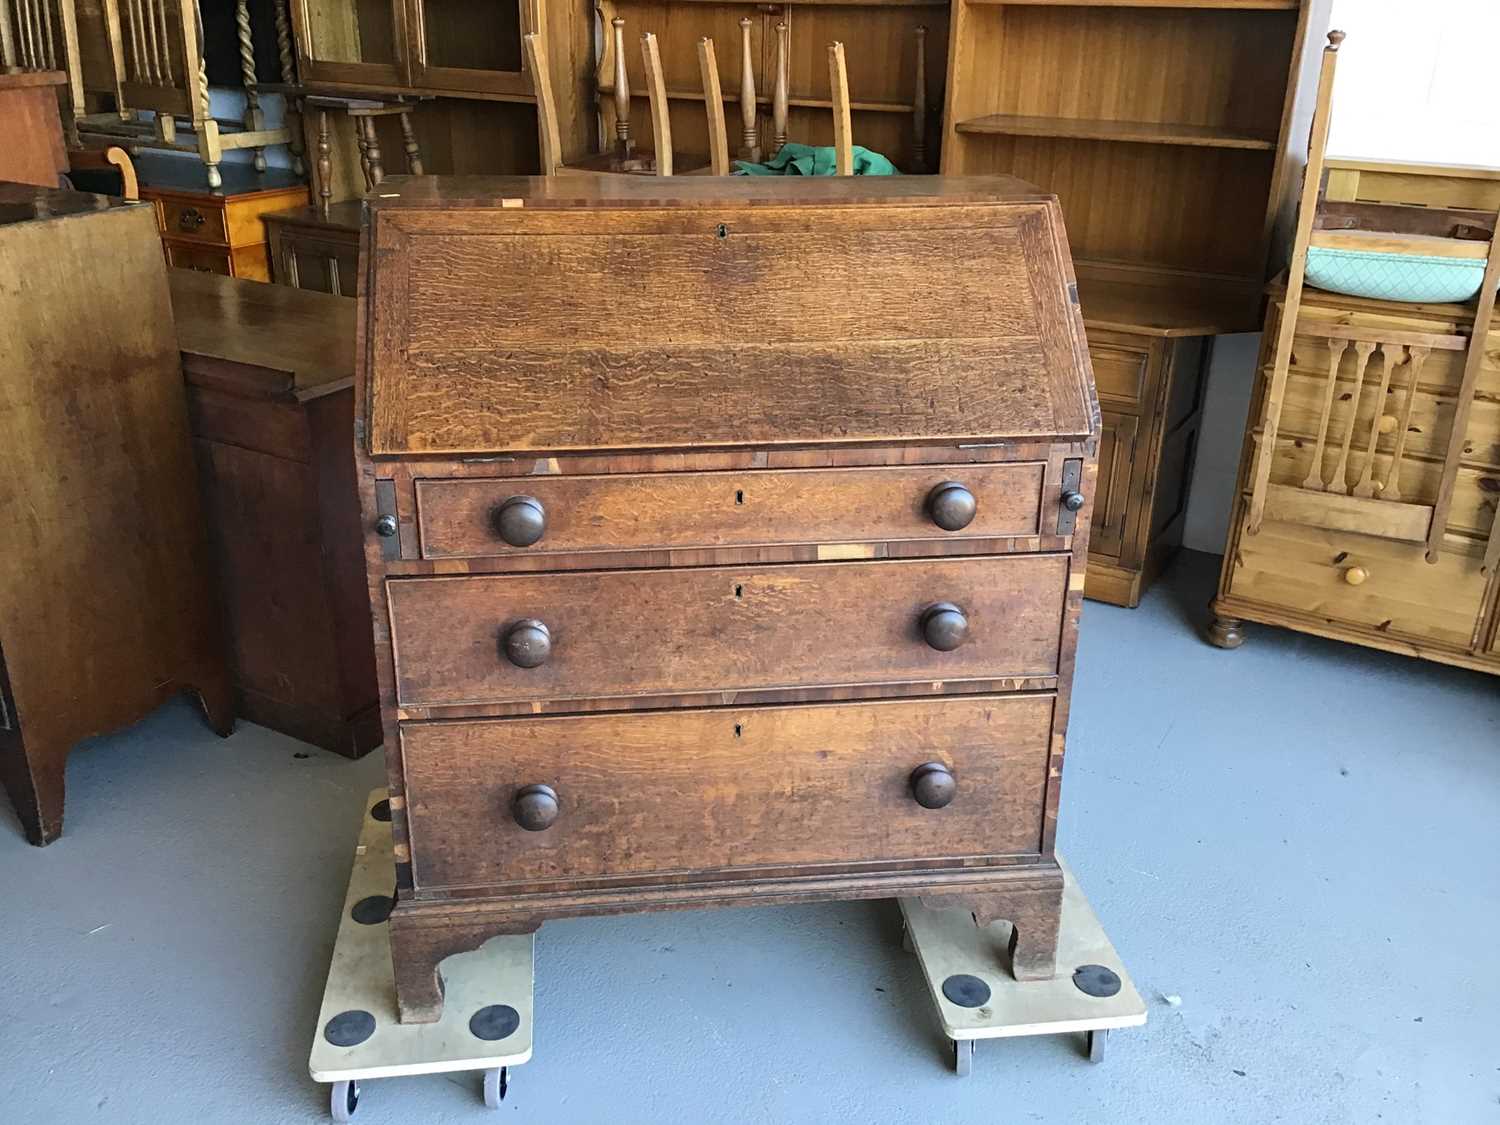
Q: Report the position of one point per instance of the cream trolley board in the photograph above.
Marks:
(487, 1019)
(976, 997)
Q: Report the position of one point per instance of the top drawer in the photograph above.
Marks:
(180, 219)
(745, 321)
(553, 515)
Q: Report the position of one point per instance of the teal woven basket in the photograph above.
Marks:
(1394, 277)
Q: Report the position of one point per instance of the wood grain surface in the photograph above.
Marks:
(107, 602)
(760, 322)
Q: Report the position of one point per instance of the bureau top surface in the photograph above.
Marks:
(626, 313)
(398, 193)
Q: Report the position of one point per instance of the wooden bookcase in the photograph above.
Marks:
(1173, 134)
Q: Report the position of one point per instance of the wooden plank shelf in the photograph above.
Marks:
(1131, 132)
(608, 90)
(834, 3)
(1217, 5)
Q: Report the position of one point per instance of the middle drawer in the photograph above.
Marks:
(516, 638)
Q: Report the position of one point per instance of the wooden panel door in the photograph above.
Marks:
(469, 46)
(1112, 493)
(352, 42)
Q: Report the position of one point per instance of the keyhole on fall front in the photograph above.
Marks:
(739, 591)
(738, 730)
(739, 495)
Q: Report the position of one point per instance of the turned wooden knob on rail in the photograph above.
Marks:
(535, 807)
(944, 626)
(933, 785)
(951, 506)
(528, 643)
(521, 520)
(1356, 575)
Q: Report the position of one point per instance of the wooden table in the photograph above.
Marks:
(270, 374)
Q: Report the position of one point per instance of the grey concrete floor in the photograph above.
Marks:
(1297, 842)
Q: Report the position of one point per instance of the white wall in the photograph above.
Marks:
(1416, 81)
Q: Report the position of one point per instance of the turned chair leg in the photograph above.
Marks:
(325, 164)
(413, 151)
(374, 171)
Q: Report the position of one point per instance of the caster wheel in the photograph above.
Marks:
(963, 1057)
(496, 1082)
(343, 1100)
(1096, 1042)
(906, 942)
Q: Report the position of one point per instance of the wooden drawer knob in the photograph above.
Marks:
(535, 807)
(944, 626)
(1356, 575)
(528, 643)
(521, 520)
(951, 506)
(933, 785)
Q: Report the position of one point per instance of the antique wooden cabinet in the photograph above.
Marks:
(216, 230)
(766, 592)
(1337, 565)
(106, 589)
(270, 384)
(311, 250)
(1172, 132)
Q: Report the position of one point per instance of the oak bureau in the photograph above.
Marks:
(725, 545)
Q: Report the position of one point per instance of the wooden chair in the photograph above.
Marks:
(623, 158)
(111, 157)
(157, 64)
(362, 111)
(1346, 487)
(718, 142)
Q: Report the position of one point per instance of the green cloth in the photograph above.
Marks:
(804, 160)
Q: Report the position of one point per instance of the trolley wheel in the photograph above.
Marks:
(343, 1100)
(1097, 1039)
(496, 1082)
(906, 942)
(963, 1057)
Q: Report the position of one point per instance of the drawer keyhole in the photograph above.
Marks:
(739, 591)
(738, 730)
(739, 495)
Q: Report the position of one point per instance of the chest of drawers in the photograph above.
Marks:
(216, 230)
(725, 544)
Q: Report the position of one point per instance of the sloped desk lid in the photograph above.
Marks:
(621, 313)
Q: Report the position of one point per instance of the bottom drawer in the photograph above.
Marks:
(1354, 579)
(206, 259)
(712, 790)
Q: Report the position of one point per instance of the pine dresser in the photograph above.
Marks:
(725, 542)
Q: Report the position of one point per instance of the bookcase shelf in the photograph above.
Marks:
(1133, 132)
(1219, 5)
